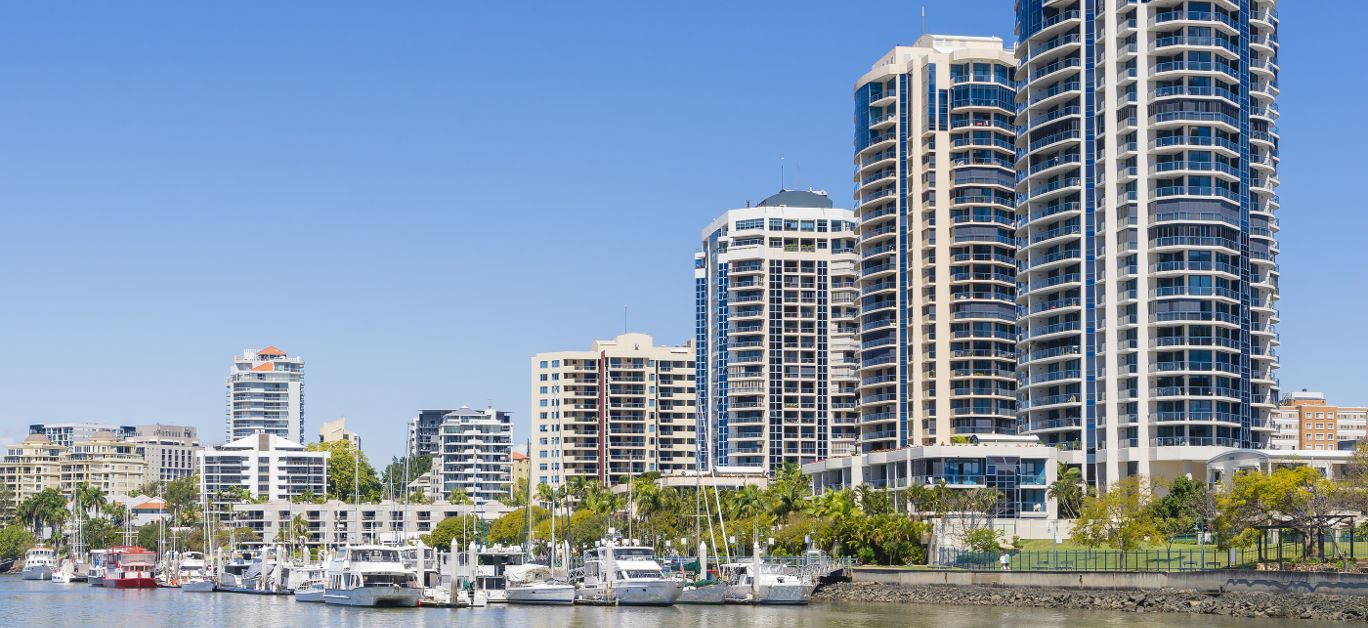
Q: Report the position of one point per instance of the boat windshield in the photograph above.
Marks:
(378, 579)
(375, 556)
(634, 553)
(640, 573)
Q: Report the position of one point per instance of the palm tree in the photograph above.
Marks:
(748, 501)
(1068, 490)
(458, 496)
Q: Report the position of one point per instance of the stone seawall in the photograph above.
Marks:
(1236, 604)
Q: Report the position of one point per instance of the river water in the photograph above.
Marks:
(29, 603)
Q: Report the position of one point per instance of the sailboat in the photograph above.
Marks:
(760, 582)
(702, 590)
(531, 583)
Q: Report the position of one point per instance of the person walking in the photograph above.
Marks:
(1006, 561)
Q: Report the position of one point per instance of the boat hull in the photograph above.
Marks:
(198, 586)
(37, 572)
(789, 594)
(373, 596)
(706, 594)
(309, 595)
(634, 593)
(541, 594)
(128, 583)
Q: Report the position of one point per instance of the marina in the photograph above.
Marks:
(30, 603)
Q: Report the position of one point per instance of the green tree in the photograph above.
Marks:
(873, 501)
(99, 533)
(183, 498)
(984, 540)
(45, 509)
(837, 505)
(1069, 490)
(1123, 517)
(343, 475)
(1186, 505)
(789, 492)
(148, 536)
(746, 502)
(451, 528)
(14, 541)
(395, 474)
(458, 496)
(517, 497)
(7, 504)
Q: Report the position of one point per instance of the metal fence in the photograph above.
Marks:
(1285, 549)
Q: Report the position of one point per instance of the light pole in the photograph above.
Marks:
(1197, 527)
(1054, 537)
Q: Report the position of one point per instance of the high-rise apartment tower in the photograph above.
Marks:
(775, 293)
(934, 149)
(1147, 273)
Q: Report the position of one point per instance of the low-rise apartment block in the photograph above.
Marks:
(265, 466)
(1305, 420)
(622, 408)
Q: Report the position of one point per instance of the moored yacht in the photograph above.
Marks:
(312, 583)
(39, 562)
(759, 582)
(193, 574)
(626, 575)
(370, 575)
(532, 584)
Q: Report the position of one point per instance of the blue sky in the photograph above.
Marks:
(418, 200)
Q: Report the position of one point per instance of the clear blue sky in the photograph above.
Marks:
(418, 198)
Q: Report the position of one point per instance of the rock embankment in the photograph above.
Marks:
(1291, 606)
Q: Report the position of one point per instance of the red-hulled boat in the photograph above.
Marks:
(129, 567)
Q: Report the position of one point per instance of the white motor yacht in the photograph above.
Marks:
(626, 575)
(39, 562)
(370, 575)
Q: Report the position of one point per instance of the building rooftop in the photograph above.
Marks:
(270, 351)
(797, 198)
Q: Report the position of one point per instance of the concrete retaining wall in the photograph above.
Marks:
(1222, 581)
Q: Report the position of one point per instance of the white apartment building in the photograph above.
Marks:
(170, 450)
(935, 178)
(475, 454)
(335, 523)
(266, 466)
(68, 434)
(775, 293)
(266, 394)
(1148, 273)
(622, 408)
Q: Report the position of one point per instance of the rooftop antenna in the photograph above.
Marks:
(781, 174)
(923, 20)
(624, 318)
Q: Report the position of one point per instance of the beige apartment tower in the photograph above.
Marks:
(935, 193)
(622, 408)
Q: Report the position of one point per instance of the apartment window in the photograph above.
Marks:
(543, 364)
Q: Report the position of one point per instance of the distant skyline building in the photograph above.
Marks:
(1148, 268)
(475, 454)
(169, 450)
(67, 434)
(266, 395)
(775, 333)
(105, 462)
(620, 409)
(337, 430)
(1306, 420)
(423, 431)
(934, 189)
